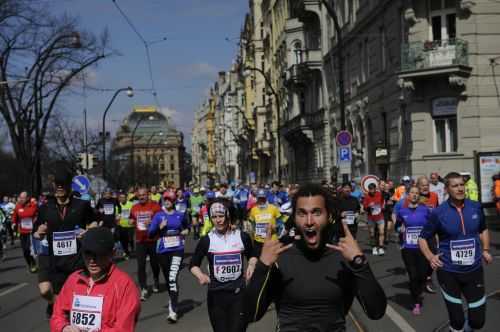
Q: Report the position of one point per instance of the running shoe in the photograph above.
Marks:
(429, 286)
(375, 251)
(417, 310)
(172, 315)
(381, 251)
(156, 286)
(144, 294)
(33, 268)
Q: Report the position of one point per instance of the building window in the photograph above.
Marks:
(172, 167)
(443, 18)
(298, 53)
(445, 134)
(444, 114)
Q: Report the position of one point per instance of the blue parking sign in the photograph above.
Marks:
(345, 153)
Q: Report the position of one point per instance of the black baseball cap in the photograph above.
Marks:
(98, 241)
(62, 175)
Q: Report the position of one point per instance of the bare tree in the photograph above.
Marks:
(40, 57)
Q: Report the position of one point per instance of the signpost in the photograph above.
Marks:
(80, 184)
(344, 153)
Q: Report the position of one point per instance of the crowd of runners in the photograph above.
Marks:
(258, 242)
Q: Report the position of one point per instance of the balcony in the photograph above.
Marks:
(301, 127)
(430, 58)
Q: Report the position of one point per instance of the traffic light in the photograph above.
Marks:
(93, 161)
(81, 160)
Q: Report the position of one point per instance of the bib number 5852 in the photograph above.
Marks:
(83, 318)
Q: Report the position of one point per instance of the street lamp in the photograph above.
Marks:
(247, 71)
(130, 93)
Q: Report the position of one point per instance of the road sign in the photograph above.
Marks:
(344, 138)
(345, 154)
(367, 180)
(80, 184)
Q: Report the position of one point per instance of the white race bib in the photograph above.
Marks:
(463, 252)
(349, 217)
(376, 210)
(142, 219)
(64, 243)
(86, 312)
(412, 234)
(27, 223)
(227, 267)
(263, 217)
(261, 229)
(109, 209)
(125, 214)
(171, 241)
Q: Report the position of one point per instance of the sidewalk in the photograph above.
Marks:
(390, 272)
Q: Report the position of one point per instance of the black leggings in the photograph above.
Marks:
(126, 236)
(143, 250)
(225, 309)
(170, 264)
(26, 247)
(471, 286)
(416, 265)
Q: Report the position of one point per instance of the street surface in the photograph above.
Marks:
(22, 309)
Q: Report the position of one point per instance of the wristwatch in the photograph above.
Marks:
(358, 261)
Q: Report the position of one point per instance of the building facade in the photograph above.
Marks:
(148, 150)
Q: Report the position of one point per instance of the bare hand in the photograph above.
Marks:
(70, 328)
(250, 268)
(487, 257)
(347, 246)
(272, 248)
(435, 262)
(42, 229)
(203, 279)
(185, 232)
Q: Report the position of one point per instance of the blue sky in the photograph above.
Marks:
(184, 66)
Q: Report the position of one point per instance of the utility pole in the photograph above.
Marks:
(85, 140)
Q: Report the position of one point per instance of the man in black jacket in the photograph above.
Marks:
(60, 225)
(349, 208)
(314, 280)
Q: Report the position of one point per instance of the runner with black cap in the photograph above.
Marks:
(59, 227)
(100, 297)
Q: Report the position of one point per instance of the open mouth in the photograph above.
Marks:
(311, 236)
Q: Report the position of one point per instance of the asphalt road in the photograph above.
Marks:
(22, 310)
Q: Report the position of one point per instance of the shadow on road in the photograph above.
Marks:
(6, 285)
(402, 299)
(183, 308)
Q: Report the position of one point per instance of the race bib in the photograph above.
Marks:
(197, 209)
(227, 267)
(64, 243)
(142, 219)
(412, 234)
(109, 209)
(376, 210)
(181, 208)
(349, 218)
(261, 229)
(463, 252)
(243, 197)
(27, 223)
(171, 241)
(263, 217)
(86, 312)
(125, 214)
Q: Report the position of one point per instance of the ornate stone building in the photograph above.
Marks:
(148, 150)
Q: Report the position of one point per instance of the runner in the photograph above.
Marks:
(182, 204)
(141, 216)
(99, 297)
(2, 232)
(349, 208)
(436, 186)
(155, 196)
(109, 210)
(313, 287)
(463, 242)
(262, 215)
(373, 204)
(411, 219)
(204, 220)
(8, 207)
(224, 249)
(471, 190)
(496, 192)
(23, 218)
(387, 192)
(59, 227)
(125, 227)
(196, 201)
(171, 226)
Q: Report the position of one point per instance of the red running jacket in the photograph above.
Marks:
(24, 217)
(109, 305)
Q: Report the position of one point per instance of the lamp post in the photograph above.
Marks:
(247, 71)
(130, 93)
(132, 142)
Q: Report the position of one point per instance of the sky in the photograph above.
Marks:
(184, 66)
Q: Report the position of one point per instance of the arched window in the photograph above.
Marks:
(298, 52)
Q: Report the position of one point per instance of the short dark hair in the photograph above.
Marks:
(347, 184)
(451, 175)
(276, 183)
(372, 186)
